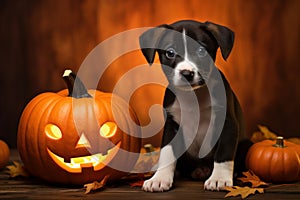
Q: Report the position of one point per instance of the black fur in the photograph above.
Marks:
(212, 37)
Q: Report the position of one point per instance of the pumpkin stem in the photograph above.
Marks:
(75, 86)
(279, 142)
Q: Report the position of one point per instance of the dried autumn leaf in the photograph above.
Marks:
(257, 137)
(263, 134)
(253, 179)
(243, 191)
(138, 183)
(267, 133)
(16, 170)
(95, 185)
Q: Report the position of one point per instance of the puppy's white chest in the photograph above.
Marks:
(193, 115)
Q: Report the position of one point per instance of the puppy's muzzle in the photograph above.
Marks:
(192, 77)
(187, 75)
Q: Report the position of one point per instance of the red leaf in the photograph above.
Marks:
(137, 183)
(253, 179)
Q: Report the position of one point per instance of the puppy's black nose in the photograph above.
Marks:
(187, 74)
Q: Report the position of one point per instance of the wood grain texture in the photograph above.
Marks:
(31, 188)
(40, 39)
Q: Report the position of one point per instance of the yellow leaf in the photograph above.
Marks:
(257, 137)
(243, 191)
(263, 134)
(95, 185)
(267, 133)
(16, 170)
(253, 179)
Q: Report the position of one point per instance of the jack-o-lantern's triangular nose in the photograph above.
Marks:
(83, 142)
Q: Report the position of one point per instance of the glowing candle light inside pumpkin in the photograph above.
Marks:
(53, 132)
(108, 130)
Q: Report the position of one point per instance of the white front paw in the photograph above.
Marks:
(221, 176)
(158, 184)
(217, 183)
(162, 180)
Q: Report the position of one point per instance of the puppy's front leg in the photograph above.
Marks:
(162, 180)
(221, 176)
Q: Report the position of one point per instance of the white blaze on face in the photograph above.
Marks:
(186, 64)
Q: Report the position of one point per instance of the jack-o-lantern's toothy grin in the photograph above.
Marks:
(72, 136)
(97, 161)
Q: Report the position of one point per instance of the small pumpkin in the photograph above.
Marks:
(4, 154)
(275, 162)
(72, 136)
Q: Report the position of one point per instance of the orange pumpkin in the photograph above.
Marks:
(275, 162)
(4, 154)
(72, 137)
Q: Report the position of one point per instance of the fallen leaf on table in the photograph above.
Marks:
(250, 177)
(263, 134)
(138, 183)
(95, 185)
(137, 179)
(16, 170)
(243, 191)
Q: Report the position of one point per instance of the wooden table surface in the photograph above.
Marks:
(30, 188)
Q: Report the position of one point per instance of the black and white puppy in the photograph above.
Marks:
(187, 49)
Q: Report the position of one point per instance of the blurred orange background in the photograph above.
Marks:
(39, 39)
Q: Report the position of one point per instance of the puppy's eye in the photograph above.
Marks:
(170, 53)
(201, 51)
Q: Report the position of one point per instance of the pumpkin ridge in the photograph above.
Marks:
(124, 137)
(23, 126)
(276, 160)
(261, 156)
(284, 157)
(298, 161)
(31, 106)
(4, 154)
(274, 163)
(104, 101)
(71, 122)
(40, 151)
(47, 109)
(55, 107)
(127, 122)
(30, 110)
(91, 115)
(101, 103)
(133, 130)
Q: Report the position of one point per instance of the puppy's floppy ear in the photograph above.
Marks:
(224, 37)
(149, 42)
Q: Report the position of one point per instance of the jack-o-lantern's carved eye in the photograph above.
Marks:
(108, 129)
(53, 132)
(78, 153)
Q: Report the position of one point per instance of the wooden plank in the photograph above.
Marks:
(32, 188)
(39, 40)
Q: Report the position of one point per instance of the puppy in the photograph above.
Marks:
(204, 127)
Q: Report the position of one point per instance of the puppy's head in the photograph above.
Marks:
(186, 49)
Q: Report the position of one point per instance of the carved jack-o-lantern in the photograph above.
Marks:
(72, 137)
